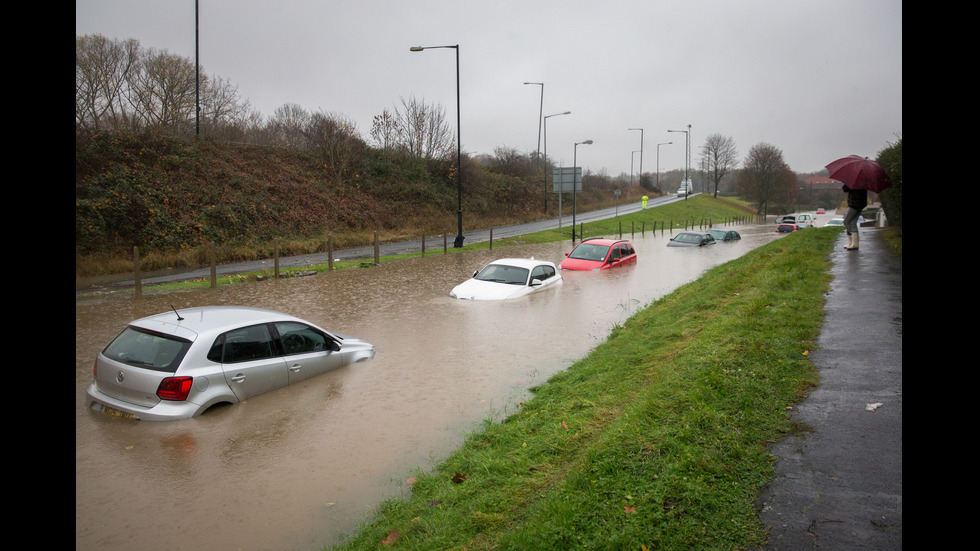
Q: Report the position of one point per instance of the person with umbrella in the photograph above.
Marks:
(857, 199)
(859, 176)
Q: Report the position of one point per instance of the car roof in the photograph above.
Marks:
(603, 241)
(189, 323)
(522, 262)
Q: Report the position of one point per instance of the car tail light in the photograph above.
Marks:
(175, 388)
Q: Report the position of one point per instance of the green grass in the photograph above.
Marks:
(655, 440)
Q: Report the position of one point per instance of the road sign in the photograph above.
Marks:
(565, 177)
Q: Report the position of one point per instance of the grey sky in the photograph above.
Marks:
(818, 79)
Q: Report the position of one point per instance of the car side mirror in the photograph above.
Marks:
(333, 345)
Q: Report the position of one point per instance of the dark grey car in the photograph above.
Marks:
(691, 239)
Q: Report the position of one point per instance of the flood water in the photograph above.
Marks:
(299, 467)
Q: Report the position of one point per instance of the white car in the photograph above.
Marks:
(509, 278)
(804, 221)
(179, 364)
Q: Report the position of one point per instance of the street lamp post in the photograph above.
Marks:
(641, 151)
(687, 155)
(540, 121)
(633, 156)
(545, 120)
(458, 242)
(658, 162)
(574, 166)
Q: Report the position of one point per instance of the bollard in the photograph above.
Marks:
(491, 239)
(330, 253)
(423, 243)
(377, 250)
(275, 257)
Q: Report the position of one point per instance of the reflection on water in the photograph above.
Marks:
(295, 468)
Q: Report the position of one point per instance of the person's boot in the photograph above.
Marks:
(850, 242)
(854, 244)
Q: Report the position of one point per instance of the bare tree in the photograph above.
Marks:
(119, 85)
(223, 113)
(766, 179)
(336, 139)
(162, 92)
(384, 130)
(423, 130)
(720, 157)
(287, 126)
(102, 68)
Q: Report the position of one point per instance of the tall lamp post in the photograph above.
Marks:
(540, 121)
(574, 165)
(545, 120)
(458, 242)
(658, 162)
(633, 156)
(687, 155)
(641, 151)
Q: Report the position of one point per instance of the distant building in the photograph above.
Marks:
(821, 183)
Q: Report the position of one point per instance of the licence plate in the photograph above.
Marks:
(111, 412)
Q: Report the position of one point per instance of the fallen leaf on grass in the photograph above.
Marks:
(457, 478)
(392, 538)
(629, 509)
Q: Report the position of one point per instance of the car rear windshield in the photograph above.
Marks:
(147, 349)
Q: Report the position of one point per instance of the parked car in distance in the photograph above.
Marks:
(725, 235)
(787, 219)
(178, 364)
(509, 278)
(820, 210)
(835, 222)
(691, 239)
(786, 228)
(804, 221)
(599, 254)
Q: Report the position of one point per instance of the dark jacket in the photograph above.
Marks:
(857, 199)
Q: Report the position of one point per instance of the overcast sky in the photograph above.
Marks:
(818, 79)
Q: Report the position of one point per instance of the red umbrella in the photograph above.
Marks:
(860, 173)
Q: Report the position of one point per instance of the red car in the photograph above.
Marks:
(599, 254)
(786, 228)
(821, 211)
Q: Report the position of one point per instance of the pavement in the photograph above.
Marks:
(838, 484)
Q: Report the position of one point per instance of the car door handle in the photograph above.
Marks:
(238, 378)
(295, 367)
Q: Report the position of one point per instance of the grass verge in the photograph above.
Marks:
(658, 439)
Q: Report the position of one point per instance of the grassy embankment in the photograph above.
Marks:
(658, 439)
(696, 211)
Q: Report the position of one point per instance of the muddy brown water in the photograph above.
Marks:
(299, 467)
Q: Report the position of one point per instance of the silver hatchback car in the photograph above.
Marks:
(177, 364)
